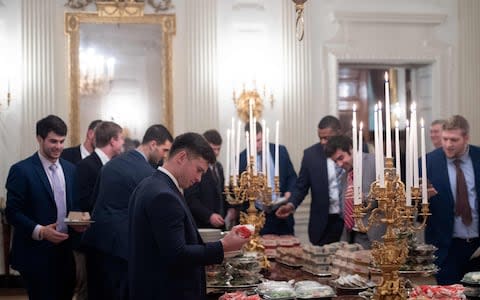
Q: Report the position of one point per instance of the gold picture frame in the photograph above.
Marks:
(118, 13)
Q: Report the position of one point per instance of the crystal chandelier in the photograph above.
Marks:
(96, 73)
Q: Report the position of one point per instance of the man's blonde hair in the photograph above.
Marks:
(457, 122)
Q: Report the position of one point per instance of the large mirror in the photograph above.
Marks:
(120, 69)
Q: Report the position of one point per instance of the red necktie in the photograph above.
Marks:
(348, 204)
(462, 207)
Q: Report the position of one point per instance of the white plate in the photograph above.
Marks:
(78, 222)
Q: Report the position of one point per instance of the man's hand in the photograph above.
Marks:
(233, 240)
(285, 210)
(50, 233)
(216, 220)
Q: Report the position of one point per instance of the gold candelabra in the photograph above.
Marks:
(250, 187)
(391, 210)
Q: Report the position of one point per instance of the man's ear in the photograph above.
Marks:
(181, 157)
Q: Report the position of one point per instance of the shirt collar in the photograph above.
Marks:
(103, 157)
(162, 169)
(83, 151)
(46, 163)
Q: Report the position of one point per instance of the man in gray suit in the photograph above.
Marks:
(339, 149)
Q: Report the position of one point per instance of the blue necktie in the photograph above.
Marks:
(59, 195)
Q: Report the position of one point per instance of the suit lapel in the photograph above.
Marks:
(68, 184)
(443, 169)
(475, 157)
(42, 175)
(181, 199)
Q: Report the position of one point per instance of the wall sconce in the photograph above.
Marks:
(300, 21)
(96, 73)
(242, 101)
(5, 103)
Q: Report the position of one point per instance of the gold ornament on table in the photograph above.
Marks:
(390, 202)
(254, 185)
(399, 219)
(251, 187)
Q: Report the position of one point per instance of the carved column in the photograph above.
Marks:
(201, 90)
(297, 99)
(38, 87)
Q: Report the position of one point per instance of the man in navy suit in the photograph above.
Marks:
(452, 227)
(205, 198)
(287, 176)
(39, 196)
(107, 239)
(320, 176)
(79, 152)
(167, 255)
(109, 142)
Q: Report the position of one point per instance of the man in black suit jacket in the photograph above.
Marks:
(79, 152)
(205, 198)
(107, 239)
(109, 142)
(325, 223)
(39, 196)
(167, 255)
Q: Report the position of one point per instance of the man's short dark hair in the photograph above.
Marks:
(195, 145)
(51, 123)
(94, 124)
(157, 133)
(105, 131)
(330, 122)
(213, 137)
(338, 142)
(258, 127)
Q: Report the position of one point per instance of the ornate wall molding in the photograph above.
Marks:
(297, 99)
(391, 38)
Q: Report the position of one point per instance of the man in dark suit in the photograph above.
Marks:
(320, 176)
(79, 152)
(205, 198)
(167, 255)
(109, 142)
(288, 176)
(453, 227)
(107, 239)
(39, 196)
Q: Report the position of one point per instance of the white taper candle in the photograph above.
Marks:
(397, 150)
(388, 128)
(424, 163)
(380, 144)
(408, 166)
(277, 132)
(227, 165)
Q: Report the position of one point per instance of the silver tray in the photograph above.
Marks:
(410, 273)
(232, 287)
